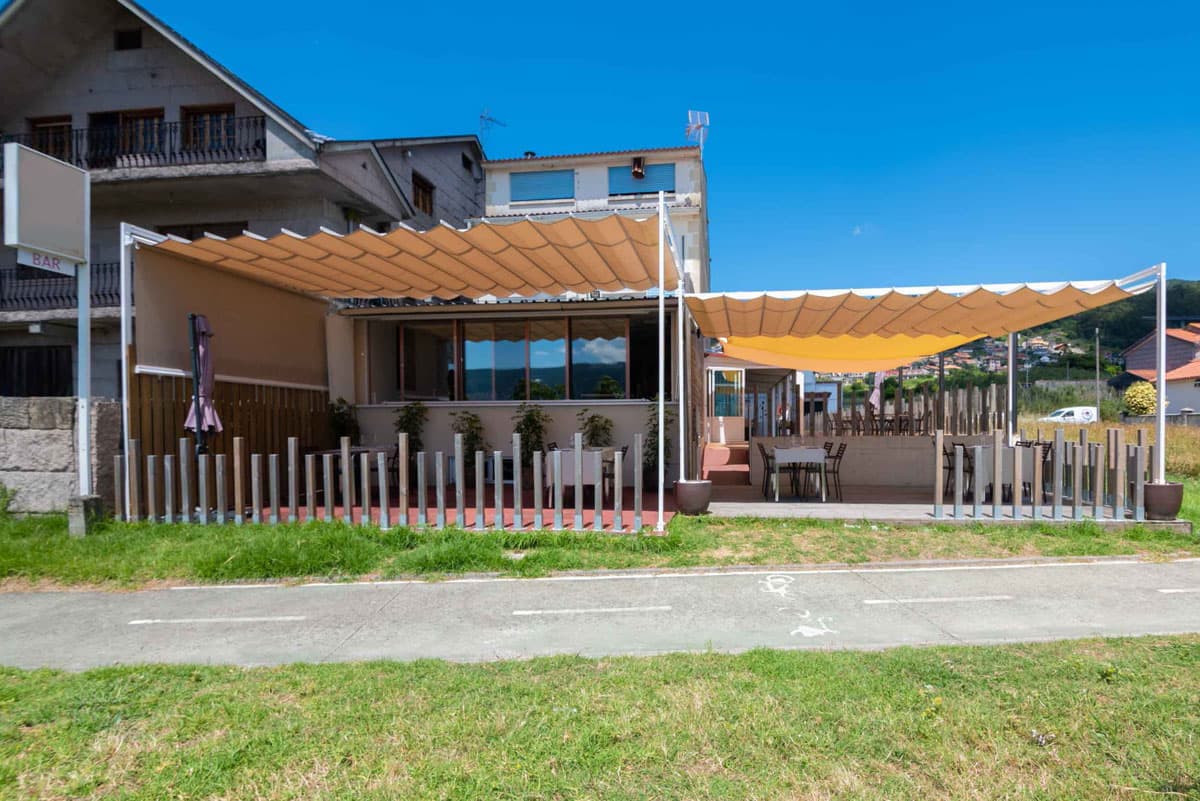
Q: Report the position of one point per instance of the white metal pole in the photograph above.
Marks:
(681, 375)
(1097, 372)
(1160, 414)
(1010, 422)
(126, 338)
(662, 370)
(83, 347)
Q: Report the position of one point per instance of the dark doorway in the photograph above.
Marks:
(37, 371)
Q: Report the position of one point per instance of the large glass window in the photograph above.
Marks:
(428, 365)
(598, 358)
(494, 361)
(547, 359)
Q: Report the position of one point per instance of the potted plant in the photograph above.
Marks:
(531, 422)
(597, 429)
(410, 419)
(1163, 501)
(343, 422)
(470, 426)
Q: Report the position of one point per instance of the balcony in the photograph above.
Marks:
(152, 143)
(29, 289)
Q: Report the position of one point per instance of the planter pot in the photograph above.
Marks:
(692, 497)
(1163, 501)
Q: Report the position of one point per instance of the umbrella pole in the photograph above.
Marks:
(197, 417)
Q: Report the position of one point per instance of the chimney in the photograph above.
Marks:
(529, 154)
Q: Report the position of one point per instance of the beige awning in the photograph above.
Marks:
(873, 329)
(522, 258)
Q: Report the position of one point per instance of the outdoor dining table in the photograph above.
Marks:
(800, 456)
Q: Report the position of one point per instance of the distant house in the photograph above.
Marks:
(1183, 366)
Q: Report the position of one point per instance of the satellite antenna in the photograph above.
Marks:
(697, 128)
(487, 122)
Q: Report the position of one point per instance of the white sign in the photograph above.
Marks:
(45, 204)
(53, 264)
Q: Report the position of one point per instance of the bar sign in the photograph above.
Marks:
(53, 264)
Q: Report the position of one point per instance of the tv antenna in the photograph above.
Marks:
(487, 122)
(697, 128)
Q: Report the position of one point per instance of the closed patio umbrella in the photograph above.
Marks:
(202, 381)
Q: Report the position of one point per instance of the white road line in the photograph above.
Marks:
(959, 599)
(184, 620)
(592, 611)
(684, 575)
(1181, 589)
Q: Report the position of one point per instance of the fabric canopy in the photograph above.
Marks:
(853, 330)
(500, 259)
(838, 355)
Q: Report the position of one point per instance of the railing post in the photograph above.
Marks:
(618, 491)
(202, 488)
(152, 488)
(169, 487)
(539, 521)
(118, 487)
(222, 506)
(384, 495)
(578, 471)
(310, 487)
(498, 486)
(256, 501)
(239, 479)
(1018, 482)
(1139, 483)
(347, 482)
(327, 486)
(439, 476)
(186, 460)
(637, 481)
(1059, 475)
(460, 473)
(976, 492)
(997, 472)
(293, 446)
(598, 491)
(480, 490)
(422, 492)
(273, 479)
(402, 477)
(134, 467)
(939, 486)
(1078, 473)
(1037, 484)
(364, 494)
(1120, 458)
(518, 512)
(959, 456)
(556, 463)
(1098, 481)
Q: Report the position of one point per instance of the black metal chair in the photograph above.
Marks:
(833, 470)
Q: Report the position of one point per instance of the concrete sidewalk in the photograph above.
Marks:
(598, 614)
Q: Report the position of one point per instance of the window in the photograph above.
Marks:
(494, 360)
(658, 178)
(208, 128)
(193, 231)
(468, 165)
(52, 136)
(599, 358)
(128, 39)
(428, 361)
(422, 193)
(112, 134)
(542, 185)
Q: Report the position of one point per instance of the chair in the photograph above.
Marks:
(768, 469)
(833, 468)
(968, 469)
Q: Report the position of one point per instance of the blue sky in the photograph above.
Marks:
(852, 143)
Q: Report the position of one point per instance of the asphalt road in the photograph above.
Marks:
(480, 619)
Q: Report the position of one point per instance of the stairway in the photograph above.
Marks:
(726, 464)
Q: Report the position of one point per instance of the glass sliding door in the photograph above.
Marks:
(548, 359)
(428, 361)
(494, 361)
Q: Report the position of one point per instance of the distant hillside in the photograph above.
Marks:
(1122, 324)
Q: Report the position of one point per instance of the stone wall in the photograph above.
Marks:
(37, 451)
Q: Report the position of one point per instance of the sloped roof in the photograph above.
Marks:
(1188, 334)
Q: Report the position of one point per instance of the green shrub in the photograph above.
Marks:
(1141, 398)
(597, 429)
(343, 422)
(531, 422)
(470, 425)
(410, 419)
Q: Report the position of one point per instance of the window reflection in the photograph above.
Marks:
(494, 361)
(547, 359)
(598, 358)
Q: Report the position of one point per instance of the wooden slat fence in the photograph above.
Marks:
(354, 486)
(1058, 479)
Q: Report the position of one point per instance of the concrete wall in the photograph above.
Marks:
(1183, 394)
(457, 191)
(869, 461)
(629, 417)
(38, 454)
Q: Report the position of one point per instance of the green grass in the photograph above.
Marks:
(1111, 719)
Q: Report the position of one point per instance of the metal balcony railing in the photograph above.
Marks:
(29, 289)
(153, 143)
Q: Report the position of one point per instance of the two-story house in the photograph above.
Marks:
(568, 353)
(176, 143)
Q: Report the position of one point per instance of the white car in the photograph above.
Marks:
(1072, 414)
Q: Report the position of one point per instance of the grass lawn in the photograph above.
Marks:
(1111, 719)
(38, 550)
